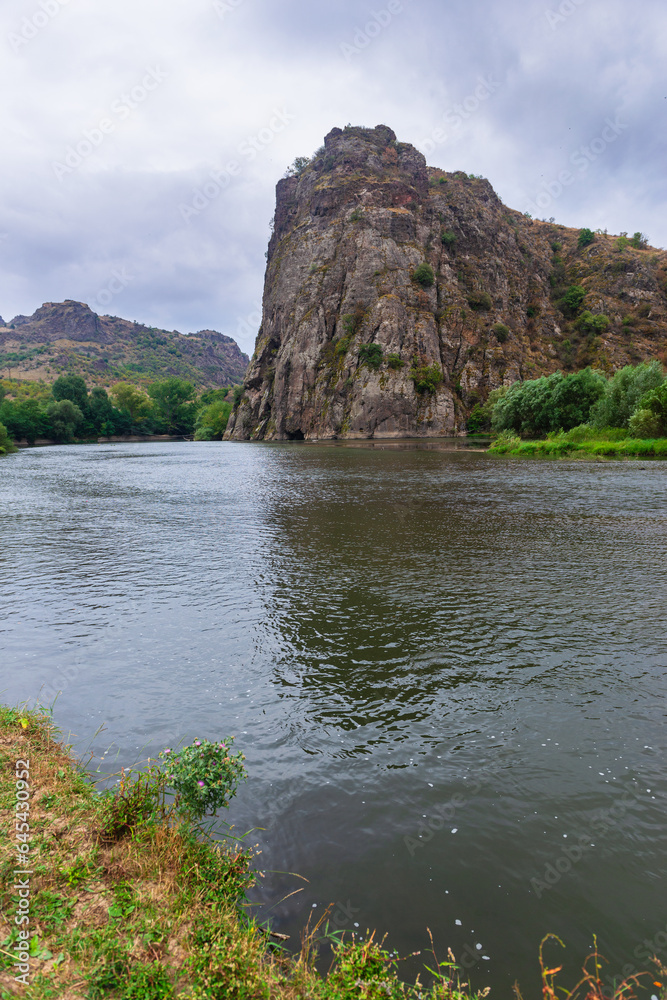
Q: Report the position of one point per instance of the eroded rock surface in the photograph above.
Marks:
(350, 232)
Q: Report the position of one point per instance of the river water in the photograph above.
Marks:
(447, 671)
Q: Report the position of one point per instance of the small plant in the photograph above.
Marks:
(570, 303)
(501, 331)
(556, 247)
(341, 347)
(371, 355)
(423, 275)
(204, 775)
(356, 215)
(426, 378)
(532, 311)
(298, 166)
(448, 239)
(480, 301)
(590, 324)
(395, 362)
(639, 241)
(586, 237)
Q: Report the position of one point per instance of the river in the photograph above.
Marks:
(447, 671)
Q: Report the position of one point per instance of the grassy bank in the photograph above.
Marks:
(581, 442)
(123, 902)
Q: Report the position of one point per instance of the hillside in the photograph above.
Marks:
(397, 296)
(69, 338)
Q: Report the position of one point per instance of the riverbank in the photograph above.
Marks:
(102, 897)
(581, 442)
(113, 900)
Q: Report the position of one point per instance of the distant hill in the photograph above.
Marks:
(69, 338)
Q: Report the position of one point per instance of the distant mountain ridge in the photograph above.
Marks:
(69, 338)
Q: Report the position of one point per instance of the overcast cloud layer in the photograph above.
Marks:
(143, 138)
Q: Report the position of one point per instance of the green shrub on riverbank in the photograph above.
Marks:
(6, 443)
(612, 443)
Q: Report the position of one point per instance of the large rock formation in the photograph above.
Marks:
(360, 339)
(68, 337)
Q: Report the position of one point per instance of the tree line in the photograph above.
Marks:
(68, 411)
(634, 399)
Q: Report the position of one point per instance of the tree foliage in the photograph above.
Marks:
(624, 391)
(554, 402)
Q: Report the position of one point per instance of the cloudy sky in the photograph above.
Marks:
(143, 138)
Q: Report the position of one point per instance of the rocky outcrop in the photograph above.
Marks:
(68, 337)
(397, 296)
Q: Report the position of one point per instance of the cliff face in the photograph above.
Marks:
(68, 337)
(360, 339)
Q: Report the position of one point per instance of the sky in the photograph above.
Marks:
(143, 139)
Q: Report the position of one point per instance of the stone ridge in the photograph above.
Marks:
(69, 338)
(350, 231)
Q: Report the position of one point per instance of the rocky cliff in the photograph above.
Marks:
(68, 337)
(397, 296)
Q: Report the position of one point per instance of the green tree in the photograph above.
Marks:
(624, 392)
(586, 237)
(570, 303)
(423, 275)
(71, 387)
(101, 411)
(371, 355)
(64, 419)
(6, 444)
(212, 421)
(554, 402)
(650, 417)
(133, 402)
(174, 402)
(23, 419)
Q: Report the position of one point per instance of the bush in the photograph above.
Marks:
(64, 419)
(570, 303)
(394, 361)
(590, 324)
(204, 775)
(480, 301)
(624, 392)
(501, 331)
(654, 402)
(212, 421)
(426, 378)
(6, 444)
(423, 275)
(639, 241)
(645, 424)
(298, 166)
(554, 402)
(371, 355)
(586, 237)
(448, 239)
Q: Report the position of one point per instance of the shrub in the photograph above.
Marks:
(426, 378)
(395, 361)
(645, 424)
(570, 303)
(6, 444)
(586, 237)
(590, 324)
(554, 402)
(342, 346)
(371, 355)
(639, 241)
(356, 215)
(298, 166)
(532, 311)
(64, 419)
(480, 301)
(448, 238)
(212, 421)
(204, 775)
(655, 402)
(501, 331)
(423, 275)
(623, 393)
(479, 419)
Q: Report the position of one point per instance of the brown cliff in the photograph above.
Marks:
(353, 345)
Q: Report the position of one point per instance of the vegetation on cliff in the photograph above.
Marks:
(68, 338)
(123, 895)
(67, 411)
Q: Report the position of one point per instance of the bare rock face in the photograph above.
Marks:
(397, 296)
